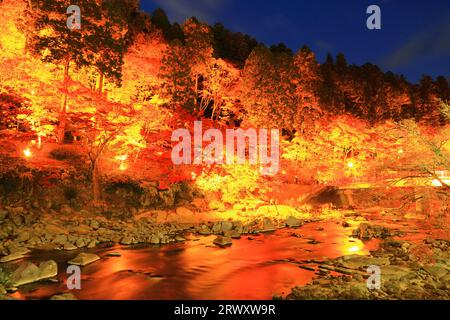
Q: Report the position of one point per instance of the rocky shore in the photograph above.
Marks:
(22, 231)
(408, 271)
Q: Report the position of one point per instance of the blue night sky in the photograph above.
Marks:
(415, 35)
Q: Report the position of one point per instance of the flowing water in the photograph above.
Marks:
(256, 267)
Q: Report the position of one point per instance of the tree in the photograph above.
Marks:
(176, 72)
(98, 43)
(307, 80)
(108, 125)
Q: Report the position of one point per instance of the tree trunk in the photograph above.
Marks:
(96, 183)
(100, 83)
(63, 112)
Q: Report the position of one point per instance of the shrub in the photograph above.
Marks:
(4, 277)
(64, 153)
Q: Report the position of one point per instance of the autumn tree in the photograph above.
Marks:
(99, 43)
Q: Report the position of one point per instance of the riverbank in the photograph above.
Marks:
(70, 234)
(408, 271)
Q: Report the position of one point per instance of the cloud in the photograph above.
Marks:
(432, 43)
(180, 10)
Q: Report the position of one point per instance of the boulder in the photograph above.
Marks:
(366, 231)
(80, 243)
(232, 234)
(84, 259)
(18, 250)
(356, 261)
(127, 240)
(267, 225)
(69, 246)
(293, 222)
(11, 257)
(92, 244)
(28, 272)
(223, 241)
(23, 236)
(3, 214)
(64, 296)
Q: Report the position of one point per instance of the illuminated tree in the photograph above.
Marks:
(103, 125)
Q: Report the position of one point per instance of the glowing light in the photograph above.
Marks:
(27, 153)
(283, 172)
(193, 175)
(437, 183)
(122, 159)
(354, 249)
(400, 151)
(123, 166)
(350, 164)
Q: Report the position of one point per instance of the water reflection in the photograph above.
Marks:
(249, 269)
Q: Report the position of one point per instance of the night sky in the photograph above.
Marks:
(414, 39)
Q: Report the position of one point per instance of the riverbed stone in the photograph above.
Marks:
(223, 241)
(267, 225)
(12, 257)
(69, 246)
(18, 250)
(28, 272)
(84, 259)
(127, 240)
(23, 236)
(293, 222)
(64, 296)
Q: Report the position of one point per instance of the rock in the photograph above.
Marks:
(232, 234)
(95, 224)
(64, 296)
(11, 257)
(23, 236)
(60, 239)
(18, 250)
(179, 239)
(293, 222)
(114, 254)
(84, 259)
(3, 214)
(346, 224)
(438, 271)
(366, 231)
(48, 269)
(53, 229)
(155, 239)
(238, 227)
(17, 219)
(223, 241)
(357, 261)
(28, 272)
(267, 225)
(127, 240)
(204, 230)
(92, 244)
(69, 246)
(80, 243)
